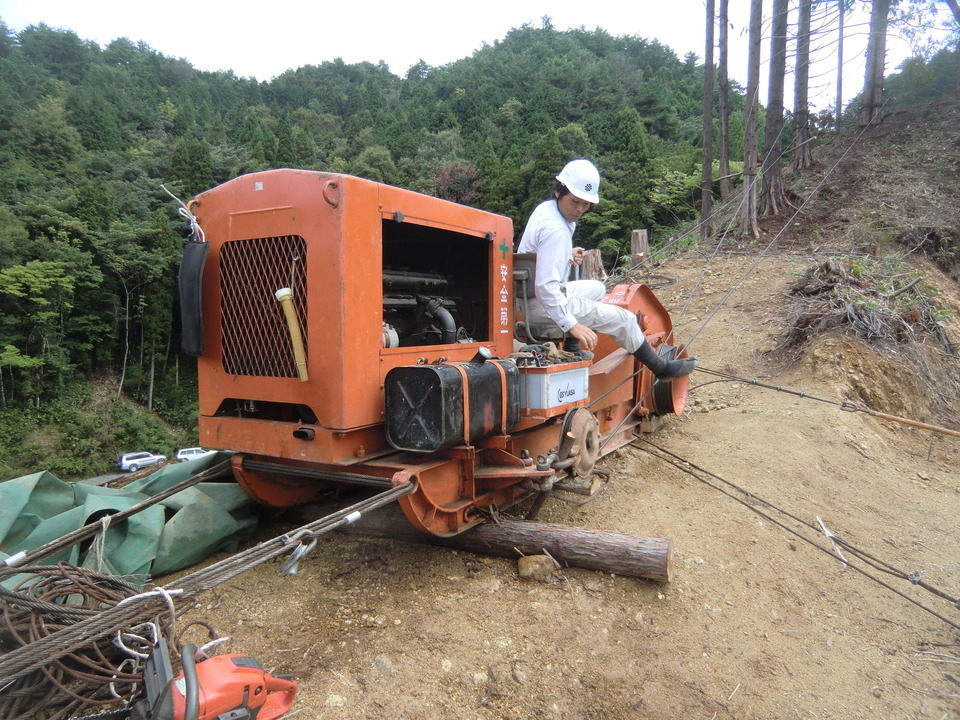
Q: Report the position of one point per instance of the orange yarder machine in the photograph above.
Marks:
(349, 332)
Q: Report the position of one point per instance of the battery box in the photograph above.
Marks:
(551, 390)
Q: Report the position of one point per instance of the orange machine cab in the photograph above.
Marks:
(374, 278)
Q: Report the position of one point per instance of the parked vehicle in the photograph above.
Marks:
(134, 461)
(193, 453)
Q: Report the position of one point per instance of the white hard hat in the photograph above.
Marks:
(582, 179)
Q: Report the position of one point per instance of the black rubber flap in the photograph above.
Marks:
(191, 287)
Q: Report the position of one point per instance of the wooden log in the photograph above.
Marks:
(613, 552)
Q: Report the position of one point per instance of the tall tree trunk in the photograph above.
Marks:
(955, 9)
(153, 364)
(772, 199)
(802, 155)
(706, 187)
(876, 61)
(166, 351)
(748, 218)
(126, 337)
(841, 5)
(726, 183)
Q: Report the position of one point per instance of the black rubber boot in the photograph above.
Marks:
(662, 368)
(572, 345)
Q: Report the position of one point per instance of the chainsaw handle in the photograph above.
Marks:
(191, 692)
(279, 683)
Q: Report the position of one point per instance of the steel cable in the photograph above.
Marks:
(134, 610)
(746, 496)
(846, 405)
(46, 600)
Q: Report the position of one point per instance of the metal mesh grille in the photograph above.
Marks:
(256, 340)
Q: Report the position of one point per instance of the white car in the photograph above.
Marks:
(185, 454)
(132, 462)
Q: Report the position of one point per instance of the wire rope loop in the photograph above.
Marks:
(205, 649)
(119, 642)
(116, 676)
(195, 230)
(166, 594)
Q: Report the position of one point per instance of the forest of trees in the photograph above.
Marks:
(93, 142)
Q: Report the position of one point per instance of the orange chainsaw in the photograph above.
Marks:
(222, 687)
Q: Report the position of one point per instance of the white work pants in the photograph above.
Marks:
(584, 301)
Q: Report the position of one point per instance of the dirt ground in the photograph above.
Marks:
(758, 622)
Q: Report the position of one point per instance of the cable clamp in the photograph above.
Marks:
(15, 559)
(289, 566)
(915, 577)
(296, 537)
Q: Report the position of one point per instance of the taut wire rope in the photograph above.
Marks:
(846, 405)
(774, 241)
(743, 496)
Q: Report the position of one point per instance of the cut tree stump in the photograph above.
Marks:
(592, 268)
(613, 552)
(639, 247)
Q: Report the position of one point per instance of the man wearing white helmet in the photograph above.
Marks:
(576, 306)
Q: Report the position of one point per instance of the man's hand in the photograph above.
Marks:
(577, 257)
(586, 336)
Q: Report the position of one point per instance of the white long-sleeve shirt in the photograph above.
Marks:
(550, 236)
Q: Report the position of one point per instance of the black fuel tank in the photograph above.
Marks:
(425, 403)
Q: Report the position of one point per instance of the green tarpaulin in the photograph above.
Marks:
(174, 534)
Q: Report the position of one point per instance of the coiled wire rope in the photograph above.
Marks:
(87, 631)
(103, 672)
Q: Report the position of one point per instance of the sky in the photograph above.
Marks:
(263, 40)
